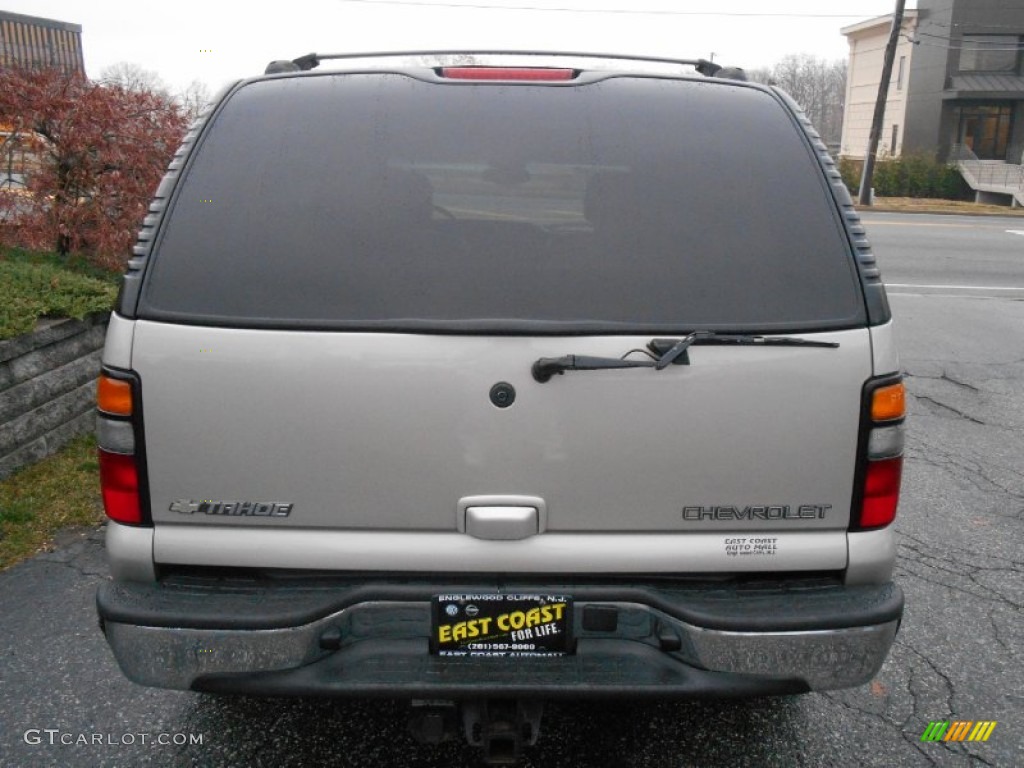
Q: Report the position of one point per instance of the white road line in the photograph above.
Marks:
(972, 297)
(955, 287)
(1015, 231)
(929, 224)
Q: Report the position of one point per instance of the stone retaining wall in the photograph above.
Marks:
(48, 388)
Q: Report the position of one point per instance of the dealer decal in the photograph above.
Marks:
(751, 546)
(501, 625)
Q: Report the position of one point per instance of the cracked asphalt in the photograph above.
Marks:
(958, 655)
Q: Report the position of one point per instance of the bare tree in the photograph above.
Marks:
(133, 78)
(817, 85)
(457, 60)
(193, 99)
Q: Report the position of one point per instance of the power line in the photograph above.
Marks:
(973, 45)
(971, 25)
(617, 11)
(947, 47)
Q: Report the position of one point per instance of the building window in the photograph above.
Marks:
(892, 141)
(985, 130)
(989, 53)
(900, 75)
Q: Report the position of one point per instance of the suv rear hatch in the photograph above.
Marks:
(342, 316)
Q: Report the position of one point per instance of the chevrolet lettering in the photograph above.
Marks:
(232, 508)
(769, 512)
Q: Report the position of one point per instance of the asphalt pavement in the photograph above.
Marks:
(955, 255)
(958, 656)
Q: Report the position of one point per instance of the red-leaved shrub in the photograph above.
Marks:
(90, 155)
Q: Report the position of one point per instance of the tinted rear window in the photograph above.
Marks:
(384, 201)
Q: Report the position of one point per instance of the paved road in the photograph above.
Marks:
(955, 255)
(959, 654)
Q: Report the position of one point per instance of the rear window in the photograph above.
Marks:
(382, 201)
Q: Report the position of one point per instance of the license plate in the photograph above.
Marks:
(501, 625)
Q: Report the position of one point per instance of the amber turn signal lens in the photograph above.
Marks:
(114, 396)
(888, 403)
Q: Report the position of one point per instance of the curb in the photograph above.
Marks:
(936, 211)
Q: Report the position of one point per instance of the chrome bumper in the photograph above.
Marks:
(381, 647)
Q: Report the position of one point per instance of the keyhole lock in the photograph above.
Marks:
(503, 394)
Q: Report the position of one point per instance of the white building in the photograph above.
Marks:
(867, 54)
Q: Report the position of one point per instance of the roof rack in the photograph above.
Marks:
(312, 60)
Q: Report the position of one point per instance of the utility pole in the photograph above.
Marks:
(883, 91)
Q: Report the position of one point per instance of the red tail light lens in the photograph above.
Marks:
(119, 481)
(881, 492)
(506, 73)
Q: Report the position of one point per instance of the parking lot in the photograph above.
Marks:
(957, 292)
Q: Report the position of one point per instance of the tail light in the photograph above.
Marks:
(536, 74)
(880, 468)
(117, 396)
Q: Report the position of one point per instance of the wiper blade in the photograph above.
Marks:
(663, 347)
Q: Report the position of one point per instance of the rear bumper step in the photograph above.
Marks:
(373, 640)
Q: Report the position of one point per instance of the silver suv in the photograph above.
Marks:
(486, 379)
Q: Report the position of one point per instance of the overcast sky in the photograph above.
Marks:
(216, 41)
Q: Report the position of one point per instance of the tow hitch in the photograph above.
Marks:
(502, 727)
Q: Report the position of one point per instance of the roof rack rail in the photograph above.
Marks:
(312, 60)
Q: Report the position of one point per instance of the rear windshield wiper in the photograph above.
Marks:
(664, 352)
(698, 338)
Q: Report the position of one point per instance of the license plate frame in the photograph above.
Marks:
(501, 624)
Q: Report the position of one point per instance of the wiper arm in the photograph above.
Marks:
(675, 352)
(546, 367)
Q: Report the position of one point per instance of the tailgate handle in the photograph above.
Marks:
(502, 523)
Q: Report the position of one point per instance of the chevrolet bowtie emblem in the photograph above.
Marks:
(232, 508)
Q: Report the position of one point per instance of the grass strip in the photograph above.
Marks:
(35, 502)
(927, 205)
(34, 285)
